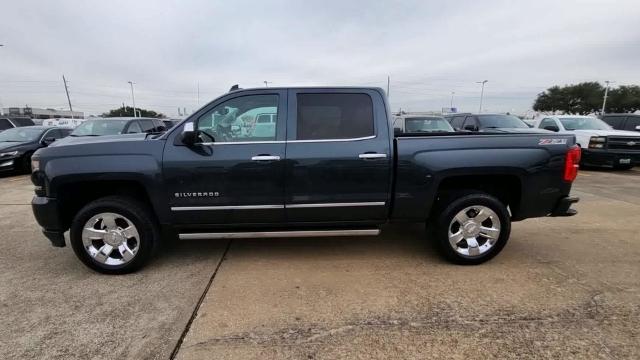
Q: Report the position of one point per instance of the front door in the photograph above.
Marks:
(235, 173)
(338, 157)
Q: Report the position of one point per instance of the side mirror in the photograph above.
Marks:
(397, 131)
(551, 128)
(47, 141)
(189, 135)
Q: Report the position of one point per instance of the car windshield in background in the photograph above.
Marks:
(501, 121)
(100, 127)
(20, 135)
(431, 124)
(584, 123)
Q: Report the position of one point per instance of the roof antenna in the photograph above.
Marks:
(235, 87)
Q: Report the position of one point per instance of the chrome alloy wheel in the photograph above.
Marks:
(474, 231)
(110, 239)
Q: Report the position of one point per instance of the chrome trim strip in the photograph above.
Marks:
(332, 205)
(265, 158)
(333, 140)
(279, 234)
(287, 141)
(236, 207)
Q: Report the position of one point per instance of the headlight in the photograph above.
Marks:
(597, 142)
(11, 153)
(35, 164)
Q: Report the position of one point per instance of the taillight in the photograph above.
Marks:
(571, 163)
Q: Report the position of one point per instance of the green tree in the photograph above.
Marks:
(128, 111)
(582, 98)
(623, 99)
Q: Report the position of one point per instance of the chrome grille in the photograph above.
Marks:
(624, 143)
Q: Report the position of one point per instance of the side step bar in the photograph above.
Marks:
(279, 234)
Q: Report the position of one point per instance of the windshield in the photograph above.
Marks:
(20, 135)
(432, 124)
(584, 123)
(501, 121)
(100, 127)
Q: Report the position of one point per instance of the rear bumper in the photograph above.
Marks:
(46, 213)
(563, 208)
(609, 158)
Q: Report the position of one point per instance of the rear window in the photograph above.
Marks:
(501, 121)
(5, 124)
(23, 122)
(334, 116)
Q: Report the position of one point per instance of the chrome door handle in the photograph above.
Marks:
(372, 156)
(265, 158)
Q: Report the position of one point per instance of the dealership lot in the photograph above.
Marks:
(562, 287)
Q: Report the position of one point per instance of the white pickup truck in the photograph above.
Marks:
(601, 144)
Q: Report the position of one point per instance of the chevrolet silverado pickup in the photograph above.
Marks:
(327, 164)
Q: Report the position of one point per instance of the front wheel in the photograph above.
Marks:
(472, 229)
(114, 235)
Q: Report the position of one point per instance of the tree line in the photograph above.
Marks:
(127, 111)
(586, 98)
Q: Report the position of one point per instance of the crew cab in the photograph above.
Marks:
(329, 166)
(601, 144)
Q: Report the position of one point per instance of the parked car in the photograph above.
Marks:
(421, 124)
(18, 144)
(10, 123)
(337, 170)
(118, 125)
(629, 122)
(496, 123)
(601, 144)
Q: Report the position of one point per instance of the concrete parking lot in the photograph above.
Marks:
(562, 288)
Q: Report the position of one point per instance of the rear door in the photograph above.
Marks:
(338, 156)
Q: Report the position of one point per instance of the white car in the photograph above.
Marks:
(601, 144)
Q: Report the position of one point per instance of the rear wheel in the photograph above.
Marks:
(472, 228)
(114, 235)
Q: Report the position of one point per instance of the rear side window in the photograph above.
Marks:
(23, 122)
(5, 124)
(334, 116)
(633, 123)
(617, 122)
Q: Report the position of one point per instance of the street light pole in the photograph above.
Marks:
(452, 93)
(481, 92)
(606, 92)
(133, 99)
(266, 83)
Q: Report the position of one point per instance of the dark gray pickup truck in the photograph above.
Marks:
(295, 162)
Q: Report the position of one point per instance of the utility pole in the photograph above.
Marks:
(133, 99)
(606, 92)
(66, 89)
(451, 106)
(266, 83)
(481, 92)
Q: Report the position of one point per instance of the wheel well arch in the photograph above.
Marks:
(507, 188)
(72, 196)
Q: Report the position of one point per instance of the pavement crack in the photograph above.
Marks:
(194, 314)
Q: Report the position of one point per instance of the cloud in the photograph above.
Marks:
(429, 49)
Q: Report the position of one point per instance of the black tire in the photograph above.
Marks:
(455, 203)
(25, 163)
(138, 213)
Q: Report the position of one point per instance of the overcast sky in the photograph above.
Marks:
(428, 48)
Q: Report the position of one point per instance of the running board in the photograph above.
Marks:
(279, 234)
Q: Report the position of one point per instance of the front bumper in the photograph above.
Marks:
(8, 164)
(609, 158)
(563, 207)
(46, 213)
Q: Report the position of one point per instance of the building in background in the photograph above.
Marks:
(40, 114)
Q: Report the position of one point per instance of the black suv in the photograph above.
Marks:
(490, 123)
(10, 123)
(629, 122)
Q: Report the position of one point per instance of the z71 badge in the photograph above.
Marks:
(552, 141)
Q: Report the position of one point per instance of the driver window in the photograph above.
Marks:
(245, 118)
